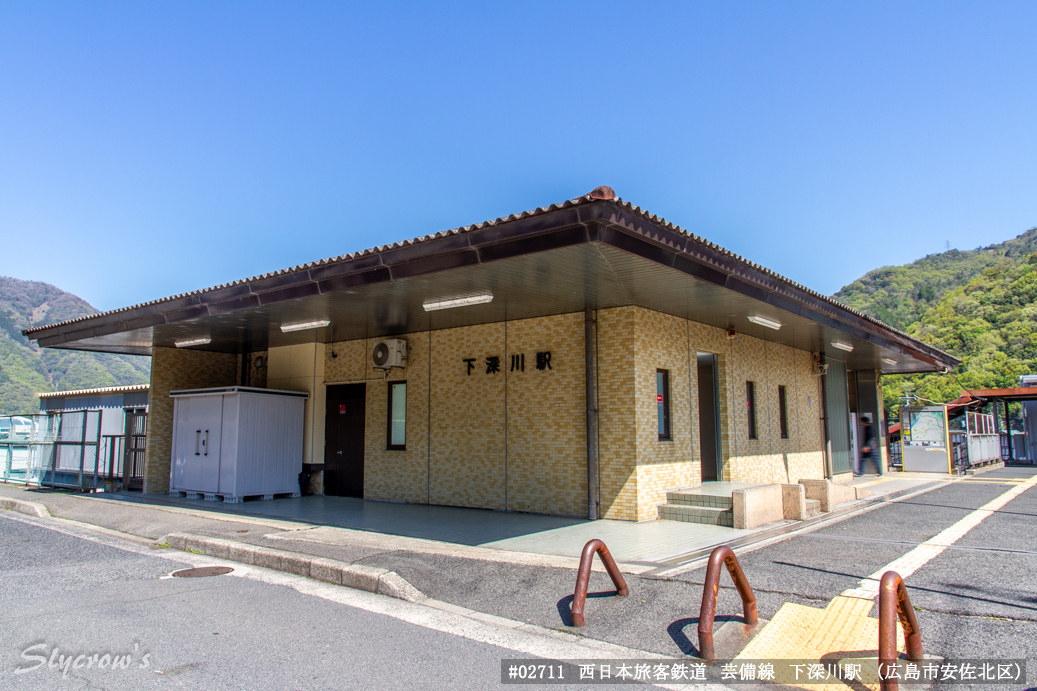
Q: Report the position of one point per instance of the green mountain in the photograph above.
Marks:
(26, 369)
(980, 305)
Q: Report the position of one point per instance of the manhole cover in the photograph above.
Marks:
(203, 571)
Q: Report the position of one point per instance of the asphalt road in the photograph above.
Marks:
(66, 595)
(975, 600)
(978, 599)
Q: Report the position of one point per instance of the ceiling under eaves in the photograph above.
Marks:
(556, 281)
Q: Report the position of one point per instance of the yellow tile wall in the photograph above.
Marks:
(516, 440)
(546, 417)
(174, 369)
(398, 475)
(467, 463)
(345, 362)
(663, 343)
(511, 440)
(764, 459)
(617, 427)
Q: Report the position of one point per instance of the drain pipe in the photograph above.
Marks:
(245, 366)
(591, 375)
(826, 438)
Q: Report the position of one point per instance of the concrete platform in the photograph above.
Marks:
(656, 543)
(649, 541)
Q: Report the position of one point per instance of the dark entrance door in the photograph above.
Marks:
(709, 417)
(344, 441)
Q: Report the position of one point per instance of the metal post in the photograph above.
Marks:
(55, 447)
(591, 375)
(97, 445)
(1008, 428)
(82, 449)
(824, 418)
(127, 429)
(7, 461)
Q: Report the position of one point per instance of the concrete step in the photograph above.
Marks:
(813, 507)
(709, 515)
(687, 498)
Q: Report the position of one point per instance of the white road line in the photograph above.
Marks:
(868, 588)
(518, 636)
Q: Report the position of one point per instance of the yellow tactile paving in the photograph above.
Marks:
(840, 621)
(780, 639)
(798, 632)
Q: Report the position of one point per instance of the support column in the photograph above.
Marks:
(1008, 429)
(827, 439)
(591, 375)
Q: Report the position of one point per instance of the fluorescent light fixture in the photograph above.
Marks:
(457, 302)
(188, 342)
(765, 321)
(302, 326)
(842, 345)
(889, 361)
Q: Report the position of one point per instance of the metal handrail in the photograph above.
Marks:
(707, 613)
(895, 604)
(584, 574)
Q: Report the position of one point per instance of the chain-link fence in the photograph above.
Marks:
(81, 449)
(15, 437)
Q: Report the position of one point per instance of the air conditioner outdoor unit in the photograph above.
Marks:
(389, 353)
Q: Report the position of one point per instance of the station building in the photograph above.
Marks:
(579, 359)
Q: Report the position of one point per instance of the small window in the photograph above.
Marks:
(750, 404)
(783, 412)
(398, 415)
(662, 400)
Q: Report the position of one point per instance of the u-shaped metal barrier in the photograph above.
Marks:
(722, 555)
(894, 604)
(584, 575)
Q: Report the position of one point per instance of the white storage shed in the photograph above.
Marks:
(237, 442)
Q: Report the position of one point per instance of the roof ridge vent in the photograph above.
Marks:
(604, 192)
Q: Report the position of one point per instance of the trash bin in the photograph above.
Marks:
(309, 470)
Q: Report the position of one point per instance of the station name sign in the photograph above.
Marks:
(492, 363)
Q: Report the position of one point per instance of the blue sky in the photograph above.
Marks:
(153, 148)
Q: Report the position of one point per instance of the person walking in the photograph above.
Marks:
(869, 450)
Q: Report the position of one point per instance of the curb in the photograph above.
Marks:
(30, 508)
(369, 578)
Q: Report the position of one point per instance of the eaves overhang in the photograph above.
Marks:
(595, 251)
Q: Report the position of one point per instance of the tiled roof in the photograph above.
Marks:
(104, 390)
(598, 194)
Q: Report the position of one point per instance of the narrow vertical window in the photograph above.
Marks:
(662, 400)
(783, 412)
(398, 415)
(750, 403)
